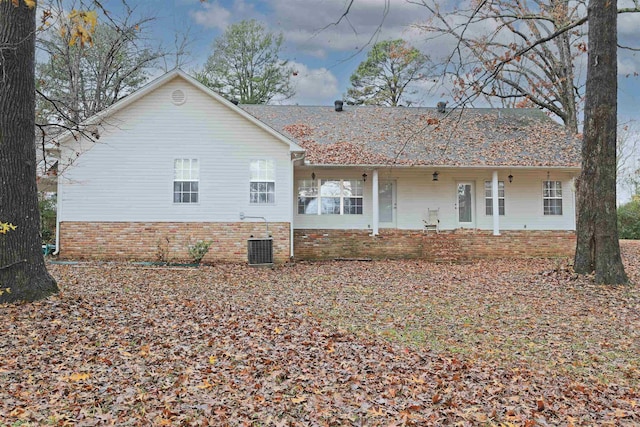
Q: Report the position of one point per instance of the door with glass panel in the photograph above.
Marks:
(387, 204)
(465, 204)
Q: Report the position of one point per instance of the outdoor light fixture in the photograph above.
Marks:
(510, 178)
(364, 177)
(435, 175)
(313, 176)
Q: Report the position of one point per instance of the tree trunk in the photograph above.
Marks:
(22, 268)
(566, 81)
(597, 245)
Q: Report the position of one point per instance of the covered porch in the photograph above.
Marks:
(401, 197)
(382, 212)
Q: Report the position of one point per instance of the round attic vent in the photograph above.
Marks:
(178, 97)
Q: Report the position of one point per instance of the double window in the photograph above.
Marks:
(333, 197)
(262, 182)
(488, 197)
(552, 197)
(186, 175)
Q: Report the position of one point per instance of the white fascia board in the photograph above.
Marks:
(443, 167)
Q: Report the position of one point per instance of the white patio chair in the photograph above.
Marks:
(432, 221)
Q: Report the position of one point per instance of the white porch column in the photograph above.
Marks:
(375, 205)
(495, 204)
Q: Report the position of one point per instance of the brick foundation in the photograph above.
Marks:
(152, 241)
(455, 245)
(155, 241)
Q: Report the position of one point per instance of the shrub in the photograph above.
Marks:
(198, 250)
(47, 206)
(162, 249)
(629, 220)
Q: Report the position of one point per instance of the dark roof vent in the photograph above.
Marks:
(235, 102)
(442, 107)
(338, 104)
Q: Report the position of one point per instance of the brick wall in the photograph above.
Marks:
(151, 241)
(155, 240)
(456, 245)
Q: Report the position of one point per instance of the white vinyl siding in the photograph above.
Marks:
(138, 150)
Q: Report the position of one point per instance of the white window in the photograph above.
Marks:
(186, 174)
(262, 182)
(488, 197)
(330, 196)
(335, 197)
(352, 195)
(308, 197)
(552, 197)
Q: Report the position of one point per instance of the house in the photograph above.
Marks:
(174, 163)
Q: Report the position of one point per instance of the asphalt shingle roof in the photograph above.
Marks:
(368, 135)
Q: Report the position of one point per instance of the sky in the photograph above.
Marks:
(325, 54)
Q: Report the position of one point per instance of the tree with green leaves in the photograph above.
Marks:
(245, 65)
(23, 274)
(384, 77)
(629, 219)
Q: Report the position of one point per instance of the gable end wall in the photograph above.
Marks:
(127, 176)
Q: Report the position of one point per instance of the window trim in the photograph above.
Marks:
(557, 186)
(196, 180)
(342, 196)
(266, 181)
(359, 184)
(316, 197)
(503, 198)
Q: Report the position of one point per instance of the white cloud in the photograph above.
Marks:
(312, 25)
(628, 23)
(628, 66)
(313, 86)
(212, 15)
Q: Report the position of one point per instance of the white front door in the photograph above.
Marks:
(387, 204)
(465, 204)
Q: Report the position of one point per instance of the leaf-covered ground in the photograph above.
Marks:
(520, 343)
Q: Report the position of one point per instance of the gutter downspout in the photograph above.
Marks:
(293, 207)
(495, 203)
(572, 184)
(58, 215)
